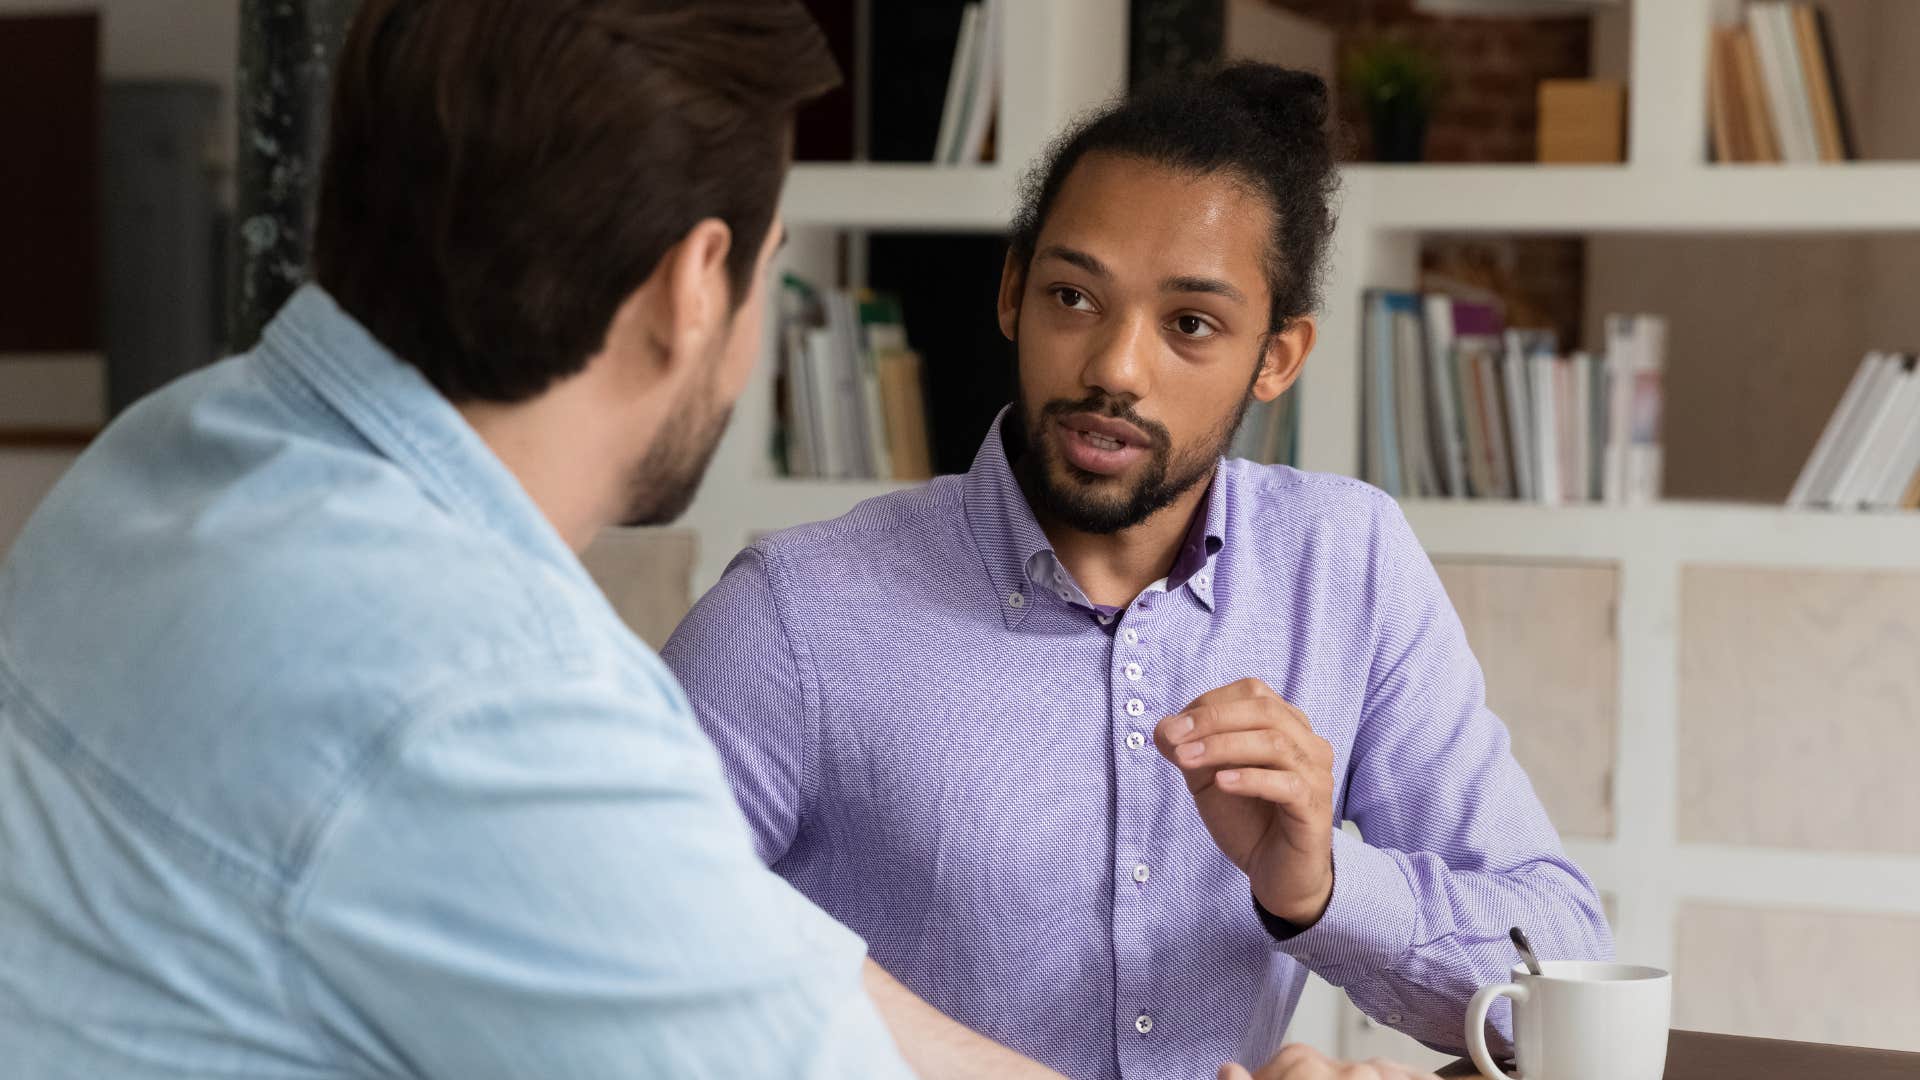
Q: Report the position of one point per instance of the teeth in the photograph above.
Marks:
(1102, 441)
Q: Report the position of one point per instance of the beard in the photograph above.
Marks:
(1079, 499)
(668, 477)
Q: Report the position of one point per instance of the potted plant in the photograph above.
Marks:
(1397, 83)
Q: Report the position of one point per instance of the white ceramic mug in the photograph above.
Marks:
(1579, 1020)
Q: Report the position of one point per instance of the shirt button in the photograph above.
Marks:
(1393, 1018)
(1064, 595)
(1141, 873)
(1130, 636)
(1133, 672)
(1135, 707)
(1135, 740)
(1015, 600)
(1143, 1023)
(1104, 619)
(1200, 580)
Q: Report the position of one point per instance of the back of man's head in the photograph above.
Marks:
(502, 174)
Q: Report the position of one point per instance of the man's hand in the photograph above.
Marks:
(1263, 783)
(1302, 1062)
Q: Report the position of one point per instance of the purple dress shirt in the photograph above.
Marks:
(940, 741)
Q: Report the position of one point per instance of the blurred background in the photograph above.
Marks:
(1619, 310)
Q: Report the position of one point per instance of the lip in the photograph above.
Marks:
(1080, 452)
(1101, 425)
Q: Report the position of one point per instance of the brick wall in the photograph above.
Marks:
(1493, 66)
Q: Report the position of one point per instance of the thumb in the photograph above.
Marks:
(1232, 1071)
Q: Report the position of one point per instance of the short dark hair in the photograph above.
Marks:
(500, 175)
(1267, 125)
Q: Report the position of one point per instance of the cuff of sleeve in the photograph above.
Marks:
(1369, 922)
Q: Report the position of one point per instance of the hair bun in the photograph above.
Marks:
(1284, 102)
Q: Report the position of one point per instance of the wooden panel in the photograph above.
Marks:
(647, 575)
(1798, 697)
(1811, 976)
(1544, 634)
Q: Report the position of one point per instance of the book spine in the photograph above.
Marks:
(1810, 488)
(1762, 132)
(952, 119)
(1545, 418)
(1445, 414)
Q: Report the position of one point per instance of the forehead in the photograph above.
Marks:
(1144, 219)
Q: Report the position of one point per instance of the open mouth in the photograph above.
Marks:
(1100, 445)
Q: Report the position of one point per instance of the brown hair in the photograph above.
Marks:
(501, 174)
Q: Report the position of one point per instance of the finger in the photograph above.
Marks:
(1264, 748)
(1297, 1061)
(1232, 1071)
(1200, 720)
(1285, 790)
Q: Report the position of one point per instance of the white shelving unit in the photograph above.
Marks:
(1068, 54)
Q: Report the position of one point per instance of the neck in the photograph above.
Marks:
(560, 457)
(1113, 568)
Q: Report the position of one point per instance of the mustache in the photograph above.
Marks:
(1101, 403)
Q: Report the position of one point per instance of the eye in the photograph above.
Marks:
(1072, 299)
(1195, 327)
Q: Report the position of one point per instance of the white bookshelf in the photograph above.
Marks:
(1667, 186)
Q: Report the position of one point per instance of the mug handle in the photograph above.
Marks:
(1477, 1027)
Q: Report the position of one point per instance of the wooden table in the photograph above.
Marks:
(1696, 1055)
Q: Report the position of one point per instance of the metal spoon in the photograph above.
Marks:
(1520, 942)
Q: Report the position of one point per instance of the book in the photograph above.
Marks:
(1546, 415)
(1466, 352)
(1830, 65)
(1410, 398)
(983, 85)
(1876, 410)
(903, 396)
(1449, 442)
(1911, 500)
(1723, 116)
(1780, 73)
(1751, 87)
(1647, 408)
(1822, 92)
(798, 418)
(1380, 459)
(1884, 436)
(1580, 426)
(1494, 413)
(953, 113)
(1823, 464)
(1519, 414)
(1799, 93)
(1903, 449)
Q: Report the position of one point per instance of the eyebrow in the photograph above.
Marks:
(1180, 284)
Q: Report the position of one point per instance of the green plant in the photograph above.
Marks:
(1391, 72)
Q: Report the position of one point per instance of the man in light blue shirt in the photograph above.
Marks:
(320, 754)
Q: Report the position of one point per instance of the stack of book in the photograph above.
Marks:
(1774, 91)
(1868, 456)
(1270, 432)
(972, 84)
(1456, 404)
(850, 399)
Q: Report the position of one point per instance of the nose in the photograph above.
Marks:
(1121, 361)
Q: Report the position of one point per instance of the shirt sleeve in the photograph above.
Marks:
(556, 883)
(1457, 847)
(753, 696)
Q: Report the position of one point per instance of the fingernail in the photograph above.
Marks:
(1230, 776)
(1192, 751)
(1181, 725)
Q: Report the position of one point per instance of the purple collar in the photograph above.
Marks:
(997, 505)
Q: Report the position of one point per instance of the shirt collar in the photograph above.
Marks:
(1014, 546)
(395, 409)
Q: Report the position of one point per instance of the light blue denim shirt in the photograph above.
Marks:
(321, 756)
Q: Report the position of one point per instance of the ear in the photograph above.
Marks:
(1013, 282)
(1285, 356)
(695, 294)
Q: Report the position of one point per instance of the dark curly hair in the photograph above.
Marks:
(1265, 124)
